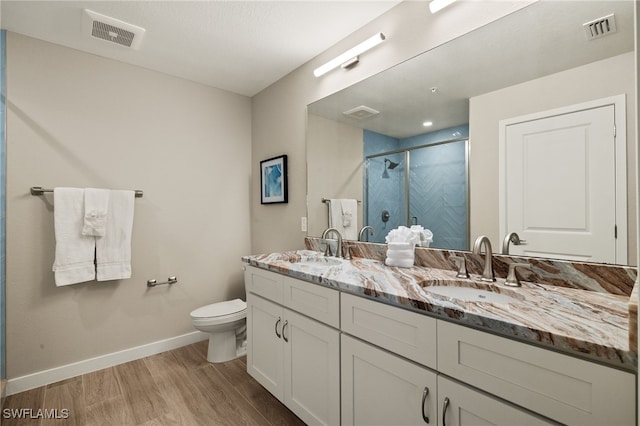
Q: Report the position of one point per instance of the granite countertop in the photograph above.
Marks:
(578, 322)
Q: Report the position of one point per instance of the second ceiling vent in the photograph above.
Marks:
(361, 112)
(600, 27)
(112, 30)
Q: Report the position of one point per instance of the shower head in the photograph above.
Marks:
(391, 164)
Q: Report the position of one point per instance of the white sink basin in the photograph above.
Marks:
(471, 294)
(320, 261)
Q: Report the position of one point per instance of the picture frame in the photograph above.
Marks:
(273, 180)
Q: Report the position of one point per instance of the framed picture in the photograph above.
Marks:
(273, 180)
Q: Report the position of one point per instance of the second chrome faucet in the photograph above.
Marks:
(328, 248)
(487, 273)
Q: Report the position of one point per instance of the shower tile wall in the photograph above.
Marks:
(437, 189)
(2, 198)
(438, 193)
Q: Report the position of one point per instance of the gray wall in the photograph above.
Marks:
(76, 119)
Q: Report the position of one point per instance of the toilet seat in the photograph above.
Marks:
(220, 313)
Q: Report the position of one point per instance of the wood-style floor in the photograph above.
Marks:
(178, 387)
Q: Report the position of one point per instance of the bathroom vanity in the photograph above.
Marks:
(356, 342)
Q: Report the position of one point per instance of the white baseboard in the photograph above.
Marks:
(41, 378)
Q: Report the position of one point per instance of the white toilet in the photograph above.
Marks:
(225, 322)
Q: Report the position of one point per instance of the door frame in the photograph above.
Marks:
(620, 140)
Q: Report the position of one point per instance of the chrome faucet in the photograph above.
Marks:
(487, 274)
(512, 279)
(511, 237)
(324, 237)
(363, 230)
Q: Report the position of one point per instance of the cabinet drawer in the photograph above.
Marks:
(561, 387)
(264, 283)
(406, 333)
(312, 300)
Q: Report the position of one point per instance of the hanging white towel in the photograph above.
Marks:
(96, 205)
(343, 215)
(113, 251)
(74, 252)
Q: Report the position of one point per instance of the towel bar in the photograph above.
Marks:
(327, 200)
(38, 190)
(153, 283)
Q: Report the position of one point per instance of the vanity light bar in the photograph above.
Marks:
(349, 54)
(437, 5)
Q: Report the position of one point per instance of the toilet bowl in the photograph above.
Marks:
(225, 322)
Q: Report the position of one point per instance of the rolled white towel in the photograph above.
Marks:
(96, 206)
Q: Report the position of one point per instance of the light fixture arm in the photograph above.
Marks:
(349, 56)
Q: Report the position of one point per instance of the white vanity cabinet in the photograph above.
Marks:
(335, 358)
(295, 357)
(380, 387)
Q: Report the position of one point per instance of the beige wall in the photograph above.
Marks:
(614, 76)
(75, 119)
(335, 153)
(278, 118)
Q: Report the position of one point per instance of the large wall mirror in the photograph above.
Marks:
(369, 141)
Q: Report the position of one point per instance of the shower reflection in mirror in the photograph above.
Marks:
(418, 180)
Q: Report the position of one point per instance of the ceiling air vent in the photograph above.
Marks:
(112, 30)
(600, 27)
(361, 112)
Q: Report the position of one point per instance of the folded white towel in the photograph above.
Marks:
(74, 252)
(343, 213)
(113, 251)
(96, 205)
(349, 218)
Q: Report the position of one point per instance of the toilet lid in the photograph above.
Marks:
(220, 309)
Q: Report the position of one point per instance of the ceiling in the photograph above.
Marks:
(544, 38)
(239, 46)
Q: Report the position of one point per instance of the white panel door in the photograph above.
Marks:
(559, 185)
(312, 369)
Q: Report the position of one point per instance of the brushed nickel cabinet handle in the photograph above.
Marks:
(278, 322)
(444, 411)
(425, 394)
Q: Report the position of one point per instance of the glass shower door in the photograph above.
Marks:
(385, 194)
(438, 193)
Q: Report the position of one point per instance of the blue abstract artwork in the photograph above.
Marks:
(273, 180)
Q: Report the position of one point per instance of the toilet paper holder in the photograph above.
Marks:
(170, 280)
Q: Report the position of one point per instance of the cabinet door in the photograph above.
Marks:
(463, 406)
(265, 357)
(312, 370)
(379, 388)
